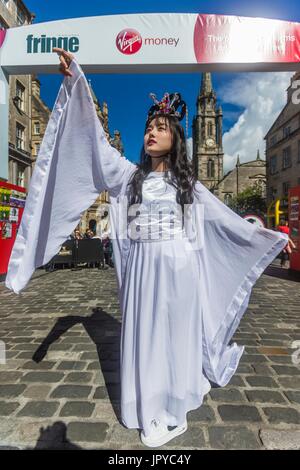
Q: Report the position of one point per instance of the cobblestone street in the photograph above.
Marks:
(59, 387)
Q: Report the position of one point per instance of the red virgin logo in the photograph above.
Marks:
(129, 41)
(2, 36)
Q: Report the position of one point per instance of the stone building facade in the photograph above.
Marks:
(243, 176)
(283, 148)
(14, 13)
(40, 117)
(91, 218)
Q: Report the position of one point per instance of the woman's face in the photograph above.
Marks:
(158, 137)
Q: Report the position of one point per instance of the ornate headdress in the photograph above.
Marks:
(171, 104)
(168, 105)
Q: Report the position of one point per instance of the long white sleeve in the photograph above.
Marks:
(75, 164)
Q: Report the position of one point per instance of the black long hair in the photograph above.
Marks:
(182, 175)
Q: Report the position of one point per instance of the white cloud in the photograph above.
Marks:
(263, 96)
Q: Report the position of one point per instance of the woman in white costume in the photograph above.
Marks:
(185, 262)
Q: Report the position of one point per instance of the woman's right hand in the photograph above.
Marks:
(65, 61)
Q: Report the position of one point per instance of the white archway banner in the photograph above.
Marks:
(146, 43)
(143, 43)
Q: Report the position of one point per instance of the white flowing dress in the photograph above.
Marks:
(182, 290)
(161, 342)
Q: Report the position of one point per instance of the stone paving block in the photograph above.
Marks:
(11, 390)
(244, 369)
(43, 365)
(38, 392)
(236, 381)
(253, 359)
(78, 408)
(48, 377)
(7, 408)
(71, 365)
(289, 382)
(293, 396)
(193, 438)
(287, 360)
(95, 365)
(87, 432)
(265, 396)
(225, 395)
(286, 370)
(261, 381)
(107, 412)
(71, 391)
(235, 437)
(262, 369)
(101, 392)
(203, 414)
(79, 377)
(283, 439)
(39, 409)
(10, 376)
(278, 415)
(239, 413)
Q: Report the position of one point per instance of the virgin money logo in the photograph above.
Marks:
(129, 41)
(2, 36)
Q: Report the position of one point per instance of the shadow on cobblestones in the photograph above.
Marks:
(54, 437)
(104, 331)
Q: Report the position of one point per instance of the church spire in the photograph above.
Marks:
(258, 156)
(206, 84)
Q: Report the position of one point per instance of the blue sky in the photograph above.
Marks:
(127, 96)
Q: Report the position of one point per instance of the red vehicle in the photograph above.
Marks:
(12, 202)
(294, 224)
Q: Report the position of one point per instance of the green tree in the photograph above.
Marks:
(250, 199)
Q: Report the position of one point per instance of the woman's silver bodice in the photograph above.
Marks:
(159, 216)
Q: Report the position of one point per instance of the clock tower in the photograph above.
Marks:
(207, 136)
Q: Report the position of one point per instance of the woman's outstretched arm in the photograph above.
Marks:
(110, 167)
(74, 165)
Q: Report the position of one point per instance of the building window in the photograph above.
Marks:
(20, 94)
(273, 140)
(37, 148)
(20, 137)
(273, 165)
(20, 17)
(286, 131)
(36, 128)
(210, 129)
(285, 188)
(286, 158)
(210, 169)
(21, 176)
(227, 198)
(298, 151)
